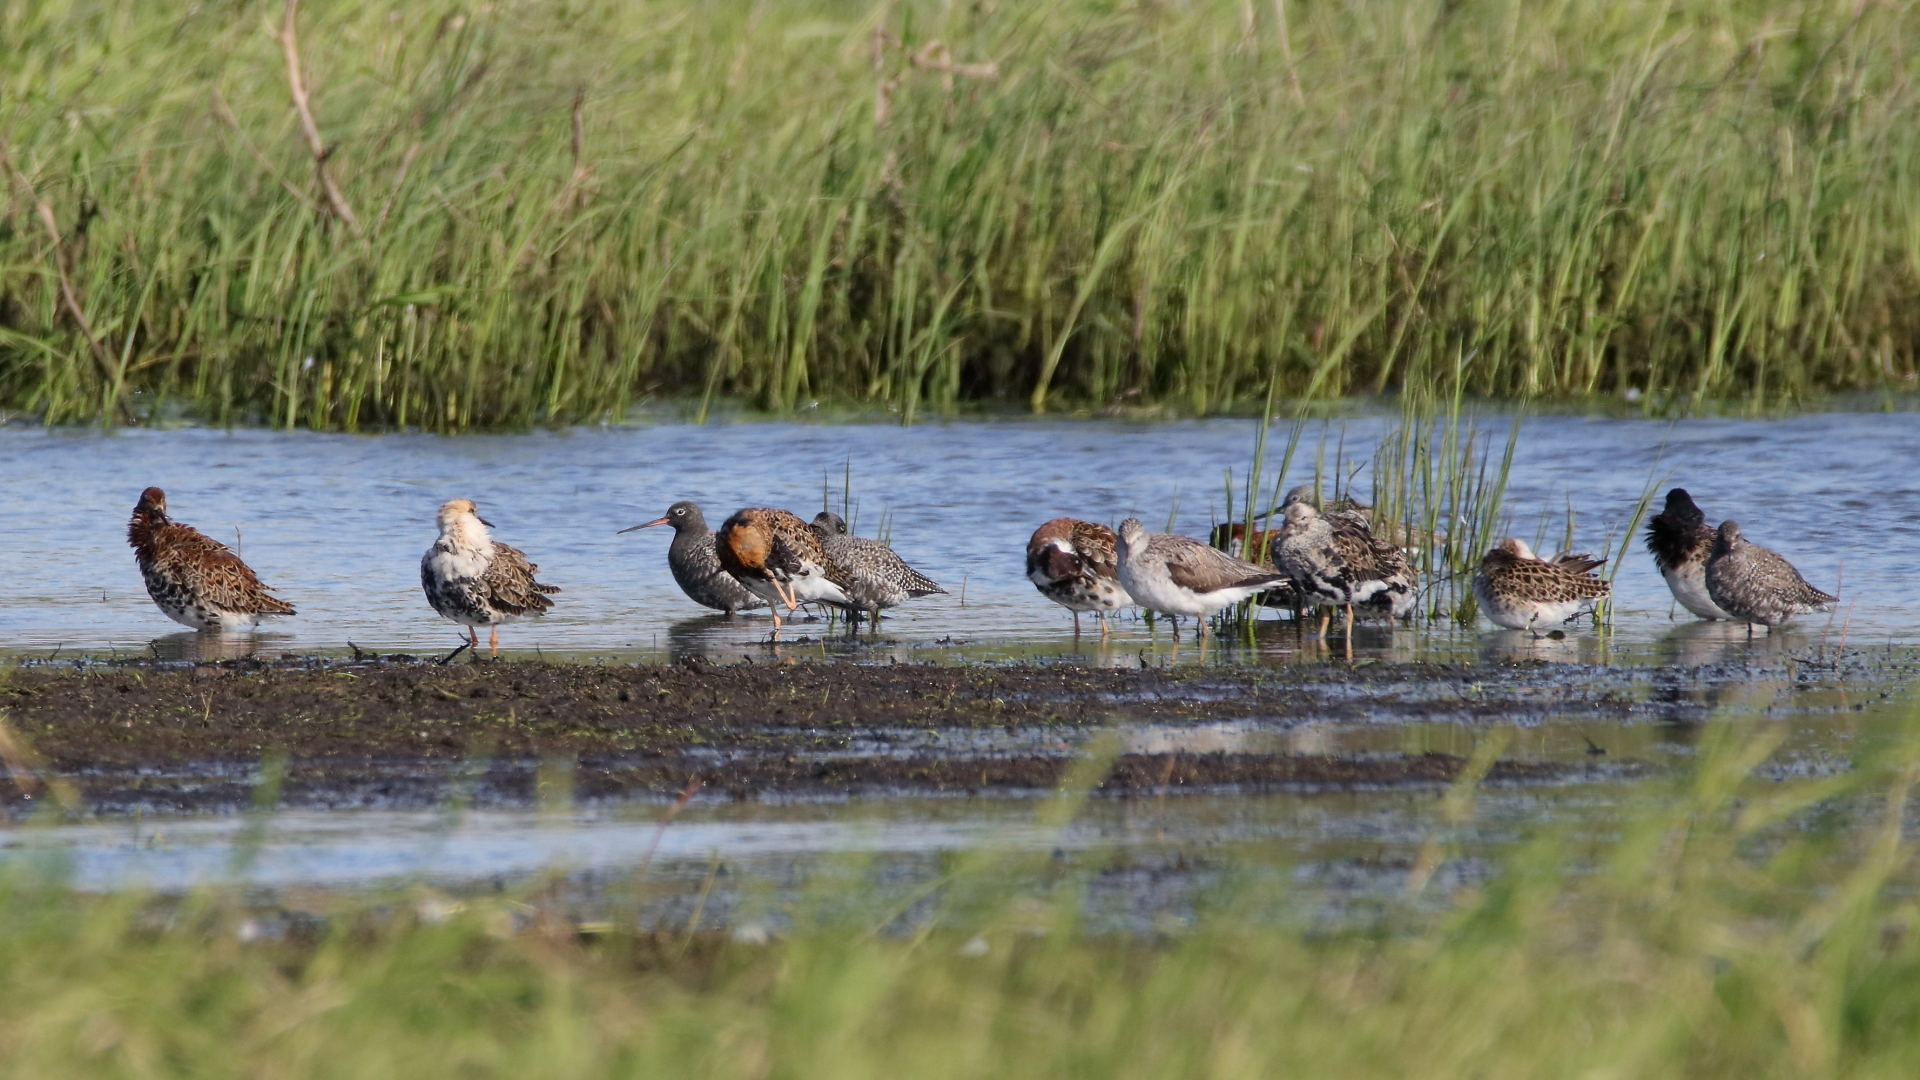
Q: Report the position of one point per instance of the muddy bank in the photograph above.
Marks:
(405, 733)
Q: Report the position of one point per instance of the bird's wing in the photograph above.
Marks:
(510, 582)
(220, 577)
(1095, 543)
(1193, 565)
(1366, 556)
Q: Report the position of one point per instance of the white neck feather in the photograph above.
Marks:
(465, 531)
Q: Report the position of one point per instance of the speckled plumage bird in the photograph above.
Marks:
(881, 578)
(1753, 584)
(780, 558)
(475, 580)
(1681, 541)
(694, 559)
(194, 579)
(1073, 563)
(1178, 575)
(1334, 560)
(1520, 591)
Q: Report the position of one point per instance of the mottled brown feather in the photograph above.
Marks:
(184, 554)
(1512, 575)
(763, 542)
(510, 583)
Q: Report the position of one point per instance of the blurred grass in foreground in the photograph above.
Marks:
(1735, 924)
(544, 212)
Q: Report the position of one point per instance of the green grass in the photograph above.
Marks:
(1729, 926)
(562, 209)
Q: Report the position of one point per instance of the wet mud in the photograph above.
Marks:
(401, 732)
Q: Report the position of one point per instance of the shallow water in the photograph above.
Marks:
(337, 522)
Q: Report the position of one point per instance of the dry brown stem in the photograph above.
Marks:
(225, 114)
(297, 84)
(63, 273)
(933, 56)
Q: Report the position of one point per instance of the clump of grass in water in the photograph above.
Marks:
(1728, 925)
(1435, 486)
(545, 214)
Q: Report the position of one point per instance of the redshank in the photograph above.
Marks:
(778, 558)
(1519, 591)
(880, 578)
(695, 561)
(1072, 563)
(1178, 575)
(475, 580)
(194, 579)
(1756, 585)
(1681, 541)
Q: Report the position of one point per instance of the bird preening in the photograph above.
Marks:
(1334, 558)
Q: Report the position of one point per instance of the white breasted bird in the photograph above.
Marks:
(475, 580)
(1178, 575)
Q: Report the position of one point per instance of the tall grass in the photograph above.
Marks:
(547, 212)
(1728, 925)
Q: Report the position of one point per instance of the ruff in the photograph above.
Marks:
(1681, 541)
(194, 579)
(1073, 564)
(879, 577)
(1334, 560)
(1519, 591)
(1178, 575)
(477, 581)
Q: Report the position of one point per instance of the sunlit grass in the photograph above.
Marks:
(1727, 925)
(559, 210)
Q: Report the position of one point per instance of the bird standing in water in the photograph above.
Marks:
(194, 579)
(1178, 575)
(1334, 560)
(1755, 584)
(694, 559)
(778, 557)
(880, 577)
(475, 580)
(1681, 541)
(1517, 590)
(1072, 563)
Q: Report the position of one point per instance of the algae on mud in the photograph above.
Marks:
(546, 213)
(155, 737)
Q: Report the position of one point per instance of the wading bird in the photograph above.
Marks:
(694, 559)
(1073, 564)
(880, 578)
(475, 580)
(1519, 591)
(194, 579)
(1178, 575)
(781, 559)
(1334, 560)
(1681, 541)
(1756, 585)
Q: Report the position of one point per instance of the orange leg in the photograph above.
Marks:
(493, 643)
